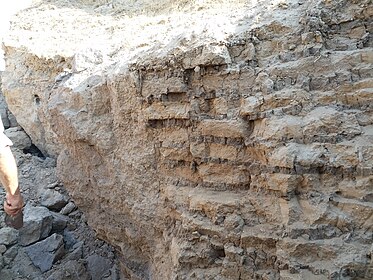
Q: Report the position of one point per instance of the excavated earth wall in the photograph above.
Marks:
(248, 155)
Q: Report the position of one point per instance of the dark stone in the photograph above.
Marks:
(45, 253)
(37, 225)
(53, 200)
(71, 270)
(98, 266)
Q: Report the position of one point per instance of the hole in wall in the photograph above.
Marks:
(36, 100)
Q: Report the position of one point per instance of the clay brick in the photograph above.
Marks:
(251, 105)
(366, 156)
(367, 57)
(160, 111)
(328, 121)
(207, 55)
(173, 136)
(283, 183)
(220, 106)
(357, 32)
(258, 153)
(175, 153)
(259, 236)
(218, 173)
(223, 151)
(156, 86)
(341, 155)
(360, 97)
(289, 127)
(198, 150)
(213, 202)
(224, 128)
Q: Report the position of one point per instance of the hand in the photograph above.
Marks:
(13, 203)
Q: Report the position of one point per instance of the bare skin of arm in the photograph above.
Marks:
(9, 179)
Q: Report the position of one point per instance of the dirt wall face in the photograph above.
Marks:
(199, 158)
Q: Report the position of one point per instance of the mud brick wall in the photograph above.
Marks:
(250, 158)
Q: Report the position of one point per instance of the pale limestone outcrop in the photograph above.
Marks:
(247, 158)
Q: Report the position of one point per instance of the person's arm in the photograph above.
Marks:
(9, 179)
(8, 171)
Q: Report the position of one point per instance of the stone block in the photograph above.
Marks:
(284, 98)
(351, 87)
(308, 37)
(290, 211)
(360, 212)
(304, 155)
(59, 222)
(2, 249)
(313, 155)
(10, 254)
(248, 53)
(304, 274)
(257, 153)
(186, 171)
(68, 208)
(283, 157)
(325, 97)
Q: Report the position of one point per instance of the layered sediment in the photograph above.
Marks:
(207, 140)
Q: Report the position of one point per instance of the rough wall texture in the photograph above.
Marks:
(248, 158)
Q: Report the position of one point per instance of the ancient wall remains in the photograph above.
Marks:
(249, 158)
